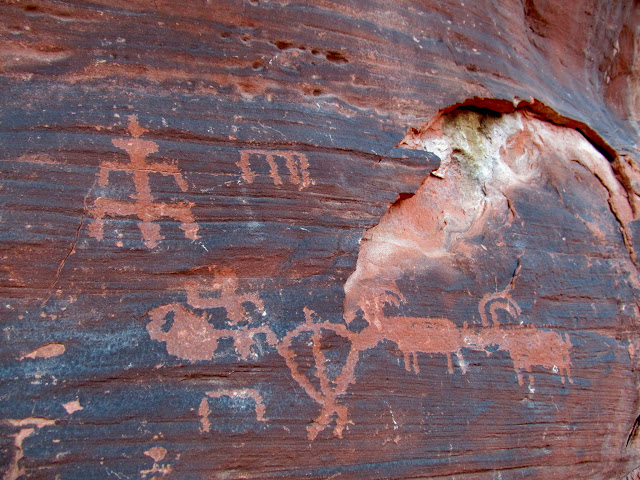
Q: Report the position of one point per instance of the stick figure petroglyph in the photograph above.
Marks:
(143, 205)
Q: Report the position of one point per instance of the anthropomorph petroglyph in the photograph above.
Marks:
(297, 164)
(190, 335)
(143, 205)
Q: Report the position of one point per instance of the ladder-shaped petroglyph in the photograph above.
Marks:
(143, 205)
(297, 163)
(190, 336)
(233, 393)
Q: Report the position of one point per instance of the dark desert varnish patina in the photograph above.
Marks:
(281, 239)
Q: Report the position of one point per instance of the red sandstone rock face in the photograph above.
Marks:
(385, 241)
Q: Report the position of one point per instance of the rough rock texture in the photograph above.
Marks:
(282, 239)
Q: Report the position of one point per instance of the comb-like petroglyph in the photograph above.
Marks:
(143, 205)
(297, 164)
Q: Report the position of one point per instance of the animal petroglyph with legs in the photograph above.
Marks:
(527, 345)
(192, 337)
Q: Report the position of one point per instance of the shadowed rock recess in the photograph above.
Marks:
(254, 239)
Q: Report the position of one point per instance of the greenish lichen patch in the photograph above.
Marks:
(471, 137)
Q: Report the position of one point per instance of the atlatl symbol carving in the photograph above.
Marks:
(143, 205)
(329, 391)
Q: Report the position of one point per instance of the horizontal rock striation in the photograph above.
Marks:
(282, 239)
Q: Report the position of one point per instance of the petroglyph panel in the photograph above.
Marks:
(191, 337)
(480, 322)
(480, 168)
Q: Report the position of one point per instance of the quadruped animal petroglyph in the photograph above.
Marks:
(191, 337)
